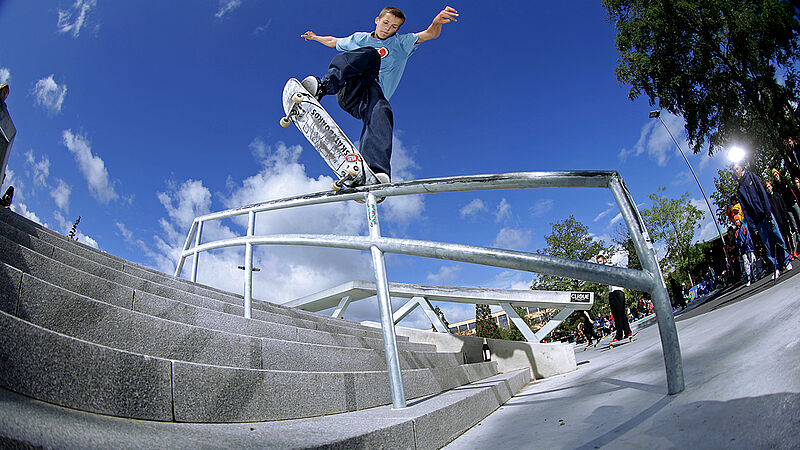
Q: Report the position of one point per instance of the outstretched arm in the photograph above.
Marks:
(447, 15)
(329, 41)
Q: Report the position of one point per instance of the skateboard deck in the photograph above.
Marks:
(325, 136)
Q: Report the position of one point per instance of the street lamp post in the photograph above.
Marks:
(657, 115)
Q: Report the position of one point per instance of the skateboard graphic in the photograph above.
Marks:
(324, 134)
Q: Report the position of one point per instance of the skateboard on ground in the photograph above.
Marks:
(623, 341)
(324, 134)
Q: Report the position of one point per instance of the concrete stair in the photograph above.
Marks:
(90, 332)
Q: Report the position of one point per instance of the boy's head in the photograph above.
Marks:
(388, 22)
(601, 259)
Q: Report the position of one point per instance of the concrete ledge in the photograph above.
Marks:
(543, 360)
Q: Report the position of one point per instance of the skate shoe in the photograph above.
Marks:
(314, 86)
(382, 178)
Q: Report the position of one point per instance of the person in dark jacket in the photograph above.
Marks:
(791, 197)
(758, 213)
(781, 215)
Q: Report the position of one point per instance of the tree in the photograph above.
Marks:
(570, 239)
(74, 229)
(716, 63)
(725, 183)
(513, 333)
(485, 325)
(673, 221)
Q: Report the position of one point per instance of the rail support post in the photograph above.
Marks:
(385, 304)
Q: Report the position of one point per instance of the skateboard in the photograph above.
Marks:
(324, 134)
(623, 342)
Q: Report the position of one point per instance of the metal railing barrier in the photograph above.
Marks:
(649, 279)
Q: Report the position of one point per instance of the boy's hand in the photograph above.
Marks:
(447, 15)
(308, 35)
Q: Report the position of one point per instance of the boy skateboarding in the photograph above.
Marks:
(365, 75)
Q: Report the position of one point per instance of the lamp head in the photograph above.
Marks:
(655, 114)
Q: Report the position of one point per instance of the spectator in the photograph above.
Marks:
(791, 197)
(616, 300)
(5, 200)
(781, 215)
(757, 212)
(745, 247)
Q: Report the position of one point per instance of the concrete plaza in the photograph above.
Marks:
(741, 360)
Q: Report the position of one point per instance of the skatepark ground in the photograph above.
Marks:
(741, 362)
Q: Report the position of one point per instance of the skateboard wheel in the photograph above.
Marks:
(297, 97)
(336, 186)
(285, 122)
(353, 171)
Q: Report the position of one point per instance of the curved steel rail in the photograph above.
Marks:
(649, 279)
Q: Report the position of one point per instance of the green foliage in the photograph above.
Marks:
(74, 229)
(512, 333)
(570, 239)
(714, 62)
(725, 184)
(673, 221)
(485, 325)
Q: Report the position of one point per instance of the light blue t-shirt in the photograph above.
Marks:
(394, 52)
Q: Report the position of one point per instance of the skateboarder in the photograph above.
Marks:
(616, 300)
(365, 75)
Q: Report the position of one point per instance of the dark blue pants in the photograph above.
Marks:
(353, 77)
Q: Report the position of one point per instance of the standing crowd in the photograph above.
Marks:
(763, 239)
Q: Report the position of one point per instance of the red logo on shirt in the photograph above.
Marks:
(383, 51)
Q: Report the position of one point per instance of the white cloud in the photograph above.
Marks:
(287, 272)
(262, 29)
(73, 19)
(258, 148)
(21, 209)
(226, 6)
(472, 208)
(49, 94)
(656, 141)
(512, 238)
(404, 209)
(41, 168)
(92, 167)
(542, 207)
(61, 194)
(5, 75)
(446, 274)
(66, 228)
(510, 279)
(124, 231)
(503, 211)
(609, 210)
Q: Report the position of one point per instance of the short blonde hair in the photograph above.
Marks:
(393, 11)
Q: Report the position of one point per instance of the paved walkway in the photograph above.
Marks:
(741, 360)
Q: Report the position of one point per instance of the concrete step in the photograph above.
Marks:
(61, 249)
(121, 293)
(70, 372)
(59, 310)
(212, 319)
(427, 423)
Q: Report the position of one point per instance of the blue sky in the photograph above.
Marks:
(139, 116)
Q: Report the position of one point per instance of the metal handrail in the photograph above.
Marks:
(649, 279)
